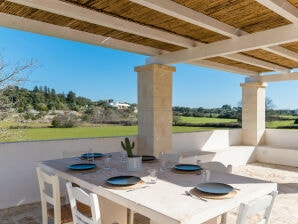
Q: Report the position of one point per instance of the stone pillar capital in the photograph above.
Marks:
(154, 67)
(254, 84)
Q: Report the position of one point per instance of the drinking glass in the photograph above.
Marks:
(152, 178)
(123, 159)
(163, 162)
(90, 156)
(206, 175)
(106, 162)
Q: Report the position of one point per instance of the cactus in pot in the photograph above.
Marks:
(128, 146)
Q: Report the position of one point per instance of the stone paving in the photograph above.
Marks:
(285, 210)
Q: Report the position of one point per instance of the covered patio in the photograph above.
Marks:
(253, 38)
(257, 39)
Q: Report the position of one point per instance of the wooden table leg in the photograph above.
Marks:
(112, 212)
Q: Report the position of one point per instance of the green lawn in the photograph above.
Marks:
(276, 124)
(83, 132)
(41, 132)
(201, 120)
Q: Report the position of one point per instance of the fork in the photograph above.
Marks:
(137, 188)
(194, 196)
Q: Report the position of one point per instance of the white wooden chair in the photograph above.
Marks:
(218, 166)
(68, 154)
(170, 158)
(264, 203)
(76, 194)
(189, 159)
(50, 194)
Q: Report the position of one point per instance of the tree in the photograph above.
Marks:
(71, 97)
(11, 75)
(269, 106)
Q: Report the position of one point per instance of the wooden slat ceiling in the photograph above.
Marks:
(247, 15)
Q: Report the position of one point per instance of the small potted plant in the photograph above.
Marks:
(134, 162)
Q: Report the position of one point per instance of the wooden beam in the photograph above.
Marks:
(191, 16)
(29, 25)
(268, 38)
(80, 13)
(274, 78)
(223, 67)
(282, 8)
(256, 62)
(34, 26)
(91, 16)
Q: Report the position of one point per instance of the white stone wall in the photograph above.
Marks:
(280, 147)
(18, 161)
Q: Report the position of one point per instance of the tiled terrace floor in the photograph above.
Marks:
(285, 210)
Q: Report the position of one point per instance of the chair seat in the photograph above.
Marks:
(66, 215)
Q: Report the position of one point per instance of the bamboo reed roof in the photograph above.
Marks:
(165, 29)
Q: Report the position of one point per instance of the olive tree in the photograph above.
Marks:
(11, 75)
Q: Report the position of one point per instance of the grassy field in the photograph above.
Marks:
(83, 132)
(276, 124)
(201, 120)
(39, 131)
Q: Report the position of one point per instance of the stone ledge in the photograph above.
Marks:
(232, 155)
(279, 156)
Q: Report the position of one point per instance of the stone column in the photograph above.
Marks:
(154, 109)
(253, 112)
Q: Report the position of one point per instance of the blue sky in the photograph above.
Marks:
(99, 73)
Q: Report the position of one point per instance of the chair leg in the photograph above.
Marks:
(131, 217)
(223, 218)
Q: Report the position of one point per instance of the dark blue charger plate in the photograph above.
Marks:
(146, 158)
(95, 155)
(82, 166)
(187, 167)
(215, 188)
(123, 180)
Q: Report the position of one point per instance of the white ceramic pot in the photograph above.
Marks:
(134, 163)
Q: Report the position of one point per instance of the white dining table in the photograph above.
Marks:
(163, 202)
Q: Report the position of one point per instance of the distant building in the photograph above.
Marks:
(296, 111)
(119, 106)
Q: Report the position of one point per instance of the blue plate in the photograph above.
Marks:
(146, 158)
(123, 180)
(95, 155)
(187, 167)
(82, 166)
(215, 188)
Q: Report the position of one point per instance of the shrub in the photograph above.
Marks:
(296, 121)
(64, 121)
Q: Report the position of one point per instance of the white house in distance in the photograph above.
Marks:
(119, 105)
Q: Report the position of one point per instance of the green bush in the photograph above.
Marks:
(296, 121)
(64, 121)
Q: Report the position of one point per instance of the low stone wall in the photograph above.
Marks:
(217, 145)
(280, 147)
(18, 162)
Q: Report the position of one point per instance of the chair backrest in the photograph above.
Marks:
(189, 160)
(49, 193)
(68, 154)
(258, 205)
(75, 195)
(217, 166)
(171, 157)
